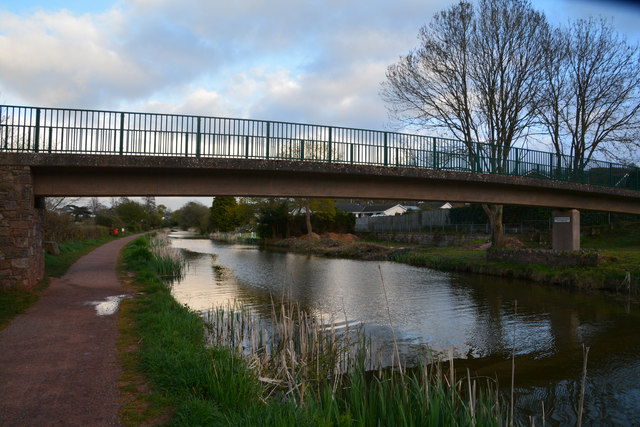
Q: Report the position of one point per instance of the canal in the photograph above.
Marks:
(434, 313)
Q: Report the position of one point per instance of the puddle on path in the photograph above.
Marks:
(107, 307)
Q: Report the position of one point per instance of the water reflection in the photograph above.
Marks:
(433, 312)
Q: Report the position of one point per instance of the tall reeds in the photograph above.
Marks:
(166, 260)
(290, 350)
(330, 372)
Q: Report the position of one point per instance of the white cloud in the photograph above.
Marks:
(282, 60)
(62, 59)
(198, 102)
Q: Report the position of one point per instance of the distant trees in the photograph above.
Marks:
(496, 72)
(132, 214)
(193, 215)
(322, 208)
(223, 214)
(274, 218)
(282, 217)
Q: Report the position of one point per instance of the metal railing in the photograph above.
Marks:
(61, 130)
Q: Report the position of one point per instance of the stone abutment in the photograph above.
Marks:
(21, 229)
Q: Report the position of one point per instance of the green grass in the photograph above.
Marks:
(216, 385)
(16, 301)
(619, 247)
(199, 383)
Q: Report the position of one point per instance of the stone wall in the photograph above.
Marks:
(21, 230)
(545, 257)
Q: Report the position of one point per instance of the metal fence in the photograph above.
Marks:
(61, 130)
(438, 221)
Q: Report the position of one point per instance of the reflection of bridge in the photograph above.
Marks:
(61, 152)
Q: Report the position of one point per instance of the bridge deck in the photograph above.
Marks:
(105, 175)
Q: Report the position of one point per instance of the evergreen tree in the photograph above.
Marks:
(223, 214)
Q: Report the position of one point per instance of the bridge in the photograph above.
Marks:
(70, 152)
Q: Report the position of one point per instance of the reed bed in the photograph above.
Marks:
(336, 373)
(166, 260)
(290, 350)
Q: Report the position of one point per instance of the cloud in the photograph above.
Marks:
(93, 60)
(315, 62)
(197, 102)
(62, 59)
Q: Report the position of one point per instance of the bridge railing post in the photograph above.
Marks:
(121, 133)
(198, 137)
(386, 147)
(302, 149)
(435, 154)
(351, 152)
(329, 151)
(36, 143)
(268, 139)
(611, 183)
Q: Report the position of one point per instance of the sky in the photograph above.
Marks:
(315, 61)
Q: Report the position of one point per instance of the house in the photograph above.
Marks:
(371, 210)
(427, 206)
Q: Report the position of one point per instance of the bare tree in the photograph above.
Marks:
(555, 90)
(477, 73)
(56, 203)
(5, 133)
(594, 77)
(95, 206)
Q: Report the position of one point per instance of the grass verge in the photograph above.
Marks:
(16, 301)
(609, 276)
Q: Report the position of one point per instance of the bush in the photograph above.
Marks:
(60, 228)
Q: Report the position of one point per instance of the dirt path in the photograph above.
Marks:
(58, 362)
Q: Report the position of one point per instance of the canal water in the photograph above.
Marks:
(434, 313)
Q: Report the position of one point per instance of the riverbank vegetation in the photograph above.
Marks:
(618, 269)
(66, 220)
(292, 371)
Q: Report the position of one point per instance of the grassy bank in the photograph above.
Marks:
(619, 248)
(14, 302)
(291, 381)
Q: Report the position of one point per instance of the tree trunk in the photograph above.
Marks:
(308, 218)
(494, 212)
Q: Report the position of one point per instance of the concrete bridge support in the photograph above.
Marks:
(21, 229)
(566, 230)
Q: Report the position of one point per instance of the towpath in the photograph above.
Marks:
(58, 361)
